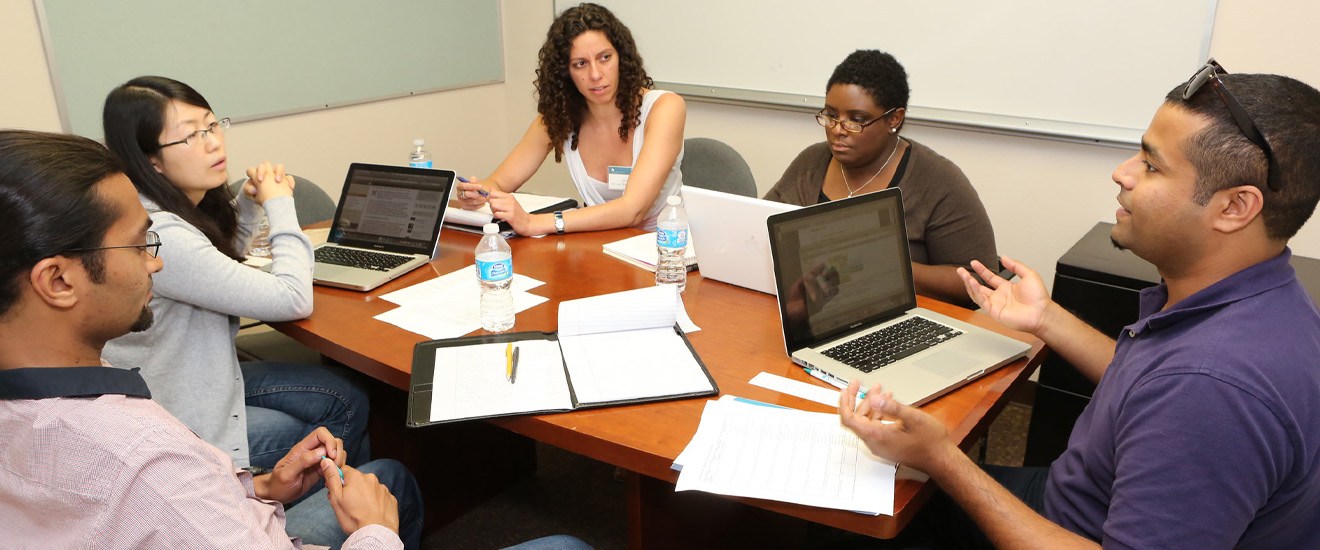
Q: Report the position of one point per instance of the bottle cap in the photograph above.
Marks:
(419, 142)
(674, 200)
(490, 228)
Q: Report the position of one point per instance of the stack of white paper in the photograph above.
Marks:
(769, 452)
(448, 306)
(639, 250)
(482, 216)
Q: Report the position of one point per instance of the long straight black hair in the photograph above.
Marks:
(133, 117)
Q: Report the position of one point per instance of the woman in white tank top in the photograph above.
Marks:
(595, 108)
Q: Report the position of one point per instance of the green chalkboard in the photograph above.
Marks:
(260, 58)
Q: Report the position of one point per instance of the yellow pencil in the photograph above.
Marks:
(508, 362)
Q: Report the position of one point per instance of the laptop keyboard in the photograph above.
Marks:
(892, 343)
(365, 259)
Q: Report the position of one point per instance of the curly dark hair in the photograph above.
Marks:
(559, 102)
(878, 73)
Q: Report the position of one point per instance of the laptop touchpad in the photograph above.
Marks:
(947, 363)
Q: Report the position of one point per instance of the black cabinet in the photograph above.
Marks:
(1100, 284)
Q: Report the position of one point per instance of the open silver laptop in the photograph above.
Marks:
(387, 224)
(728, 232)
(848, 304)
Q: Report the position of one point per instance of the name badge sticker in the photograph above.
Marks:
(619, 177)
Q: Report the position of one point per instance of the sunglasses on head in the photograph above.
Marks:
(1209, 73)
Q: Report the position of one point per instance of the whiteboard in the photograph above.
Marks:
(1084, 69)
(255, 59)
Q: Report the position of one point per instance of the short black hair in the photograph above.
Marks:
(1287, 113)
(878, 73)
(49, 204)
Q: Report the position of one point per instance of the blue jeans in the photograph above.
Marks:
(286, 401)
(557, 542)
(314, 520)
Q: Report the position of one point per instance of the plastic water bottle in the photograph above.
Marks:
(671, 236)
(260, 247)
(419, 158)
(495, 272)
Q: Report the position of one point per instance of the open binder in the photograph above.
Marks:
(610, 350)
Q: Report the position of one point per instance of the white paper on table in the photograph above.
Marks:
(463, 281)
(810, 392)
(441, 318)
(785, 455)
(619, 366)
(470, 381)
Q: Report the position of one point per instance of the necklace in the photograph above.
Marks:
(843, 173)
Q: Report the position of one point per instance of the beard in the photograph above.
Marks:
(144, 320)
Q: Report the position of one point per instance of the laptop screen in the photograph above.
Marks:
(392, 208)
(841, 266)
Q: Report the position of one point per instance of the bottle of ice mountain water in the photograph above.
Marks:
(419, 158)
(671, 236)
(495, 272)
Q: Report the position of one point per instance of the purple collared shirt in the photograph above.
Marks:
(1205, 430)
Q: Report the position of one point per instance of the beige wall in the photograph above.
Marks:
(1042, 195)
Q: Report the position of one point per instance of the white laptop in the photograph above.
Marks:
(387, 224)
(728, 232)
(846, 297)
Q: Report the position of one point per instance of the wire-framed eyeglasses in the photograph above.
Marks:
(196, 137)
(830, 121)
(1210, 73)
(152, 246)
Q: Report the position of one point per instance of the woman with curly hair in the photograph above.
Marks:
(623, 140)
(865, 105)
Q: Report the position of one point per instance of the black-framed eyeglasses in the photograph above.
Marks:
(830, 121)
(1210, 73)
(196, 137)
(152, 246)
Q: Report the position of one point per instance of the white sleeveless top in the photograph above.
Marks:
(596, 192)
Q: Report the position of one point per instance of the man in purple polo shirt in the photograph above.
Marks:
(1204, 430)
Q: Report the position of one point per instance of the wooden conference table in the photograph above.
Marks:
(740, 336)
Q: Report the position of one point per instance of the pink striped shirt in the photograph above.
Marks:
(119, 472)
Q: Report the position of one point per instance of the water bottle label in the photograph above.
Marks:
(671, 238)
(426, 164)
(495, 271)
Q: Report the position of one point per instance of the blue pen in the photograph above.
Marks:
(341, 472)
(484, 193)
(832, 380)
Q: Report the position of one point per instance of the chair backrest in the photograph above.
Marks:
(310, 201)
(712, 164)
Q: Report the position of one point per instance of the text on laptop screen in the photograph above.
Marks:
(850, 268)
(387, 208)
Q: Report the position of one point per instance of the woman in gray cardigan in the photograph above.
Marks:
(173, 148)
(865, 105)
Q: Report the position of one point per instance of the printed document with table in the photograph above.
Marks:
(847, 303)
(387, 224)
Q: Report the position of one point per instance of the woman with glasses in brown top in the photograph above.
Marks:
(865, 105)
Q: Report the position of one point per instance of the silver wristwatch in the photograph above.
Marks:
(559, 223)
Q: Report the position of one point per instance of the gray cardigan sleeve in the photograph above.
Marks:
(198, 274)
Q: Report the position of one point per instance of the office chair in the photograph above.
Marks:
(310, 201)
(712, 164)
